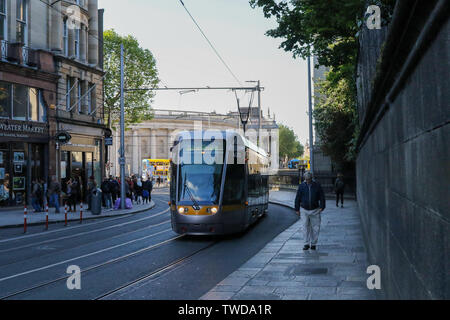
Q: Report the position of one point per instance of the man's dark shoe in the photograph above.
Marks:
(313, 248)
(305, 248)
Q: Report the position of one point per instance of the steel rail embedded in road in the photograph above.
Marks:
(85, 233)
(81, 226)
(155, 273)
(115, 260)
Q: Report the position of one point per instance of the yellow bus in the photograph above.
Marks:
(155, 168)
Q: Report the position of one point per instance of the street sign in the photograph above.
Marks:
(122, 161)
(63, 138)
(108, 141)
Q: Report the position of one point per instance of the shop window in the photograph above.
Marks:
(20, 102)
(5, 100)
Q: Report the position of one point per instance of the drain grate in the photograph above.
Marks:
(307, 271)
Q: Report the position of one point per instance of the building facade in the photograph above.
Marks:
(28, 83)
(47, 46)
(76, 40)
(153, 139)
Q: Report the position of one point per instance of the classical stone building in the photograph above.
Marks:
(153, 139)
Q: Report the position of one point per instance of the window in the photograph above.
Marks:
(68, 90)
(5, 100)
(20, 102)
(79, 94)
(21, 17)
(3, 20)
(42, 107)
(77, 43)
(65, 37)
(33, 104)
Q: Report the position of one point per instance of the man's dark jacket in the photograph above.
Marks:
(310, 197)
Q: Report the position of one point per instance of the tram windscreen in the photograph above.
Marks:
(199, 177)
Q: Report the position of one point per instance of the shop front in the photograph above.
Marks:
(81, 159)
(23, 159)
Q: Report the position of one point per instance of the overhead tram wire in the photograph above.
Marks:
(209, 42)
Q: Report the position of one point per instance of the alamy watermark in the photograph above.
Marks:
(74, 281)
(374, 20)
(374, 281)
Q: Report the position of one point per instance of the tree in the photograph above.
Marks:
(328, 30)
(140, 72)
(289, 144)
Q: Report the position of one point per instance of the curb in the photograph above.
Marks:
(153, 205)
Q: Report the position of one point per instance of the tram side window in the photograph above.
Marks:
(234, 189)
(173, 182)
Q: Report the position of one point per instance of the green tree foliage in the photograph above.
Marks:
(140, 72)
(327, 29)
(289, 144)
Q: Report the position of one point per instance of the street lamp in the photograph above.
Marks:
(244, 114)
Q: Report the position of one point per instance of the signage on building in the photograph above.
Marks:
(63, 138)
(21, 130)
(108, 141)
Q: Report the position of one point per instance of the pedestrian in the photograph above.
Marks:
(106, 191)
(55, 192)
(139, 191)
(115, 188)
(311, 198)
(72, 192)
(339, 187)
(36, 195)
(91, 186)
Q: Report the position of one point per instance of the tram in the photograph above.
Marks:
(219, 183)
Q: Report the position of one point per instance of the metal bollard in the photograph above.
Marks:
(81, 213)
(46, 216)
(65, 213)
(25, 219)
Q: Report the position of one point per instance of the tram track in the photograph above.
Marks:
(94, 267)
(168, 267)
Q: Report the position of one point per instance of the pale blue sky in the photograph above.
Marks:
(184, 58)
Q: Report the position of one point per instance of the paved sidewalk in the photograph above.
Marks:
(16, 218)
(282, 271)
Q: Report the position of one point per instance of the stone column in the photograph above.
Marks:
(153, 143)
(169, 144)
(93, 32)
(135, 154)
(56, 27)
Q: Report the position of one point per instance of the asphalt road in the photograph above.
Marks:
(130, 257)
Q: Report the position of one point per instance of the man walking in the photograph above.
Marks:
(55, 191)
(311, 198)
(339, 187)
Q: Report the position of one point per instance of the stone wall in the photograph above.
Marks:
(403, 166)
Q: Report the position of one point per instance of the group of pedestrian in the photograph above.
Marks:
(310, 199)
(136, 190)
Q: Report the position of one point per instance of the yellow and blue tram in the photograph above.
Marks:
(219, 183)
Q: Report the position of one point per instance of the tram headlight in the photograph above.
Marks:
(214, 210)
(182, 210)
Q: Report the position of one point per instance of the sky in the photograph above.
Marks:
(185, 59)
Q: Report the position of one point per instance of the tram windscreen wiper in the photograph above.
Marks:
(196, 206)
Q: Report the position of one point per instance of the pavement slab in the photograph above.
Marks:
(282, 270)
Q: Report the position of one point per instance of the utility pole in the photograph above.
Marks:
(122, 132)
(259, 113)
(311, 134)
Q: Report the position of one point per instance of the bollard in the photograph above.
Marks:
(81, 213)
(46, 216)
(25, 219)
(65, 213)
